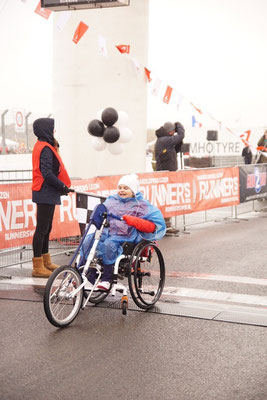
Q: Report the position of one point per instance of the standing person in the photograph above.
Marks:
(139, 220)
(169, 139)
(247, 154)
(262, 147)
(50, 180)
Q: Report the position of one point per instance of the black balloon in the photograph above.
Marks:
(96, 128)
(111, 134)
(109, 116)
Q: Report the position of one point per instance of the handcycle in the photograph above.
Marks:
(142, 264)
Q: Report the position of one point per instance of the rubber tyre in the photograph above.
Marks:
(59, 309)
(147, 279)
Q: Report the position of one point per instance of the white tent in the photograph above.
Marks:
(10, 144)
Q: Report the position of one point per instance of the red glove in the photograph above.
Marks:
(139, 223)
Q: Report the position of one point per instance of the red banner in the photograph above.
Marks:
(174, 193)
(181, 192)
(18, 216)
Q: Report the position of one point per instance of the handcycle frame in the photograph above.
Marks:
(145, 284)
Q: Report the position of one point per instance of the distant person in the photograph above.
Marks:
(169, 141)
(247, 155)
(50, 180)
(262, 147)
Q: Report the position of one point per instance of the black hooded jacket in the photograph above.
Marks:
(166, 148)
(51, 188)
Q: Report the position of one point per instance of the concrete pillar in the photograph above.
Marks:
(85, 82)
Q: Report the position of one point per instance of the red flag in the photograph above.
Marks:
(147, 73)
(80, 31)
(44, 12)
(123, 48)
(245, 141)
(198, 109)
(167, 95)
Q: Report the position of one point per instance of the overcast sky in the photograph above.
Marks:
(212, 51)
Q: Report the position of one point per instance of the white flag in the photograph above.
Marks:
(102, 46)
(177, 99)
(136, 65)
(156, 87)
(63, 18)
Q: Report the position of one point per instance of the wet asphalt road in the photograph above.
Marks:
(105, 355)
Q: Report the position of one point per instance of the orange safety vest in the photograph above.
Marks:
(37, 177)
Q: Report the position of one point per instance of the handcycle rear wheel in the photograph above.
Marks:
(147, 278)
(60, 307)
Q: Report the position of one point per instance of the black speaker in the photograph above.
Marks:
(185, 148)
(212, 135)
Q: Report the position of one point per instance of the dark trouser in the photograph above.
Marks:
(40, 243)
(107, 273)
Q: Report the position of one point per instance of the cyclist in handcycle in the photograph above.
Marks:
(137, 219)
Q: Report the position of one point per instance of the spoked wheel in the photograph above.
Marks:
(146, 281)
(60, 306)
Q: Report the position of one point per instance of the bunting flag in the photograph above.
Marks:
(63, 18)
(177, 98)
(156, 87)
(80, 31)
(147, 74)
(136, 65)
(195, 122)
(167, 95)
(44, 12)
(102, 47)
(246, 140)
(123, 48)
(198, 109)
(170, 96)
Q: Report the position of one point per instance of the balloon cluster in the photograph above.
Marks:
(110, 129)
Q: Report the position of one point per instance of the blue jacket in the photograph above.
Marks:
(109, 247)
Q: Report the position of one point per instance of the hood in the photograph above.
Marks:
(161, 132)
(43, 128)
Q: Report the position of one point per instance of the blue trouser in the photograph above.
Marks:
(107, 273)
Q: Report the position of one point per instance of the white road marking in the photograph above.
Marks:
(215, 295)
(222, 278)
(178, 291)
(24, 281)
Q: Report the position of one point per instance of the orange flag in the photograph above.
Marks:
(245, 141)
(147, 72)
(198, 109)
(167, 95)
(80, 31)
(123, 48)
(44, 12)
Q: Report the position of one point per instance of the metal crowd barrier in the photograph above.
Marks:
(23, 254)
(15, 176)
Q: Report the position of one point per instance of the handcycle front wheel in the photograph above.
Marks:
(147, 276)
(60, 306)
